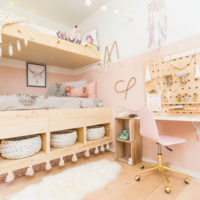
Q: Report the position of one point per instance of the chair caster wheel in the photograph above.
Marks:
(187, 180)
(137, 178)
(142, 167)
(167, 189)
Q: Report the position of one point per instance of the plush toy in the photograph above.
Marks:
(91, 38)
(75, 35)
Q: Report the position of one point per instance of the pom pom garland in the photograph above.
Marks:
(29, 171)
(10, 177)
(61, 162)
(48, 165)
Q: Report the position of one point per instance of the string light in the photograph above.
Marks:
(103, 8)
(116, 12)
(88, 3)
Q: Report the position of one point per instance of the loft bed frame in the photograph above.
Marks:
(55, 51)
(44, 122)
(13, 124)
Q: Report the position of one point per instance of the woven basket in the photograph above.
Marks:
(63, 139)
(20, 147)
(95, 132)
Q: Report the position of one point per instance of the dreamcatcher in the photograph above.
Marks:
(157, 23)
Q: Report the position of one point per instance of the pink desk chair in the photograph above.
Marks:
(148, 128)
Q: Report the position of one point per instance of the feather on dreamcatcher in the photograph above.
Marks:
(157, 23)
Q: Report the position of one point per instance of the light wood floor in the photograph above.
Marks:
(123, 188)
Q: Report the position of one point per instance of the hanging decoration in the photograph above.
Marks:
(74, 158)
(18, 45)
(10, 177)
(103, 8)
(87, 153)
(10, 50)
(61, 162)
(130, 85)
(102, 149)
(0, 52)
(107, 147)
(96, 150)
(157, 23)
(107, 57)
(88, 3)
(29, 171)
(48, 165)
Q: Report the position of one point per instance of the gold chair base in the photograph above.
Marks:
(162, 167)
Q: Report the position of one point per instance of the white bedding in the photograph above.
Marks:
(39, 28)
(13, 102)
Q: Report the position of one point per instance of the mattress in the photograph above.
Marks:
(26, 102)
(39, 28)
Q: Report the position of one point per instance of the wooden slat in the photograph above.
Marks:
(21, 123)
(73, 118)
(47, 49)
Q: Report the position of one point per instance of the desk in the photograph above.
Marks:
(195, 121)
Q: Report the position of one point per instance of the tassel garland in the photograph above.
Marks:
(108, 147)
(102, 149)
(48, 165)
(18, 45)
(0, 52)
(87, 153)
(96, 150)
(74, 158)
(26, 42)
(61, 162)
(10, 177)
(10, 50)
(29, 171)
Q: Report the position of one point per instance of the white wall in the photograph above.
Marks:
(132, 37)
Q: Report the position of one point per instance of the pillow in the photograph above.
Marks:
(53, 90)
(76, 91)
(92, 89)
(63, 85)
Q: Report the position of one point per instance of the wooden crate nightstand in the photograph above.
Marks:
(131, 148)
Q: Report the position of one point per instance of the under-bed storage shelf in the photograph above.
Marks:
(47, 49)
(80, 122)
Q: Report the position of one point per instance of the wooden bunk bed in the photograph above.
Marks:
(44, 122)
(56, 52)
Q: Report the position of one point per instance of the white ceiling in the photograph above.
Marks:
(66, 12)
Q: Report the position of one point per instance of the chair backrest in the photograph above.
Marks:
(148, 127)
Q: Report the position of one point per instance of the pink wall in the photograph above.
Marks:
(13, 80)
(184, 155)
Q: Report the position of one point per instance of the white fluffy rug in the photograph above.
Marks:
(72, 184)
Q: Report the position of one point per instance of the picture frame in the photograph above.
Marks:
(35, 75)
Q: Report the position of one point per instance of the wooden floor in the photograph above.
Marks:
(123, 188)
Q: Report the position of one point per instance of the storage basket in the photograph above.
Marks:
(95, 132)
(63, 139)
(20, 147)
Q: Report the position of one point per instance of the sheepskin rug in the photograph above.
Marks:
(72, 184)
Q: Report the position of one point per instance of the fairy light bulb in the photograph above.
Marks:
(88, 3)
(26, 42)
(103, 8)
(116, 12)
(18, 46)
(10, 50)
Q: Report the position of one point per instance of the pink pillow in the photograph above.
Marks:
(92, 89)
(76, 91)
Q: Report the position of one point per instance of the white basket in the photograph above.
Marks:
(63, 139)
(95, 132)
(20, 147)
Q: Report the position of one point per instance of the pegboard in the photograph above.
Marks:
(167, 77)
